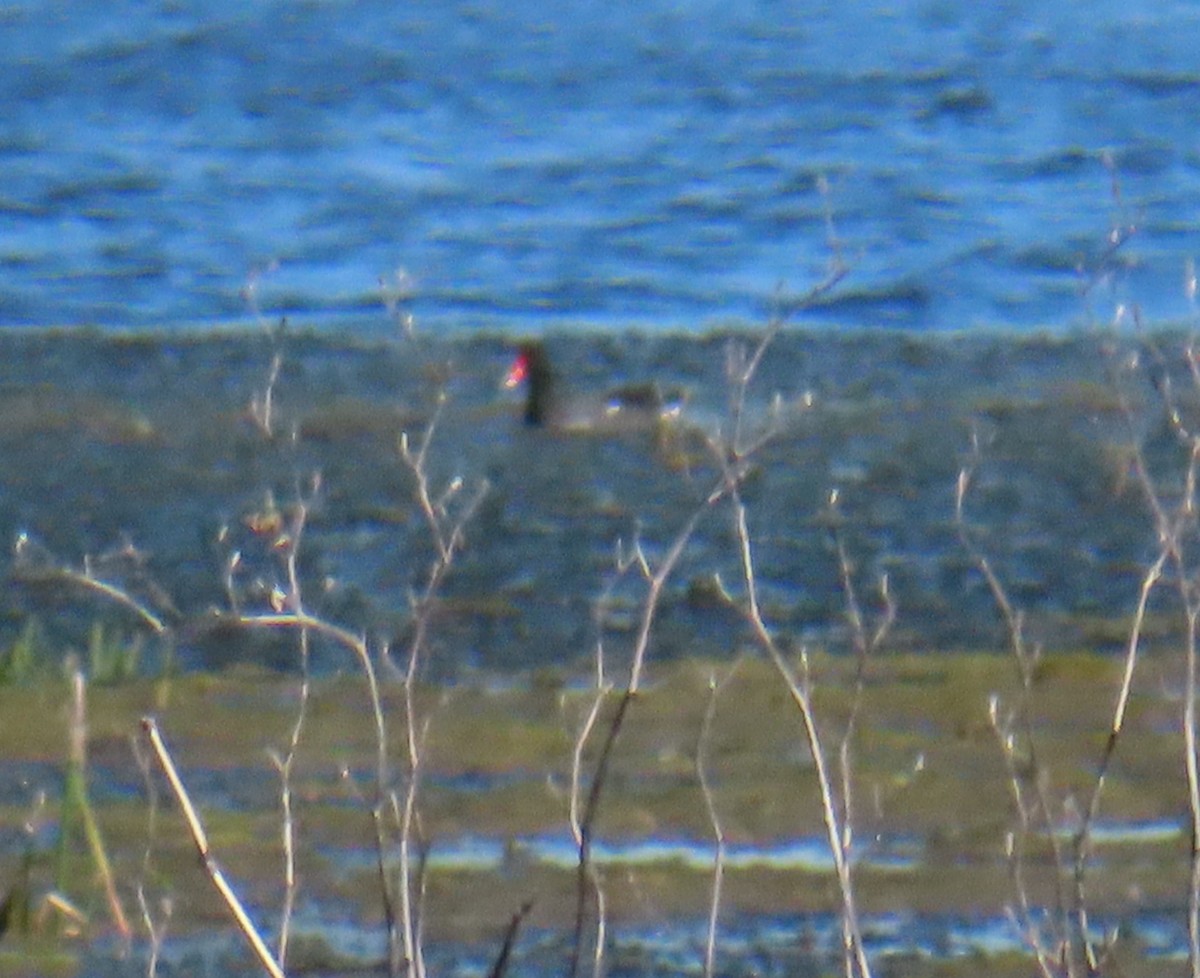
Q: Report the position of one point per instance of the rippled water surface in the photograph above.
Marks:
(655, 166)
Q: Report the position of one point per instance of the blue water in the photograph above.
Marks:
(518, 165)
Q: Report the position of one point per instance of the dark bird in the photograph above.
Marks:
(628, 407)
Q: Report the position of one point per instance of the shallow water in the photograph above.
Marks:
(145, 443)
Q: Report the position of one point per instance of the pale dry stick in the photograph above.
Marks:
(1189, 709)
(357, 645)
(1026, 661)
(283, 767)
(412, 908)
(1171, 527)
(262, 406)
(656, 580)
(156, 929)
(865, 646)
(87, 580)
(78, 760)
(395, 963)
(400, 912)
(838, 268)
(1081, 839)
(731, 447)
(1187, 588)
(800, 691)
(1176, 525)
(588, 878)
(703, 742)
(741, 369)
(1193, 783)
(1024, 920)
(733, 453)
(447, 531)
(1078, 950)
(288, 545)
(200, 840)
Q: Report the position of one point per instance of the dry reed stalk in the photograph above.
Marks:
(212, 868)
(703, 742)
(77, 759)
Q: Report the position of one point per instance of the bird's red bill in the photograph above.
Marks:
(518, 371)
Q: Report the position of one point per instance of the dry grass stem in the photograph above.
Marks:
(200, 839)
(584, 827)
(733, 452)
(77, 758)
(800, 691)
(156, 929)
(703, 743)
(288, 551)
(1059, 941)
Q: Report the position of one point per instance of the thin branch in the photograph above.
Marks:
(200, 839)
(650, 605)
(703, 742)
(500, 967)
(289, 549)
(42, 570)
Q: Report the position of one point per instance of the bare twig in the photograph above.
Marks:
(732, 453)
(587, 879)
(1065, 944)
(866, 644)
(262, 404)
(703, 742)
(35, 565)
(288, 547)
(800, 691)
(656, 579)
(732, 449)
(447, 532)
(500, 967)
(200, 839)
(155, 928)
